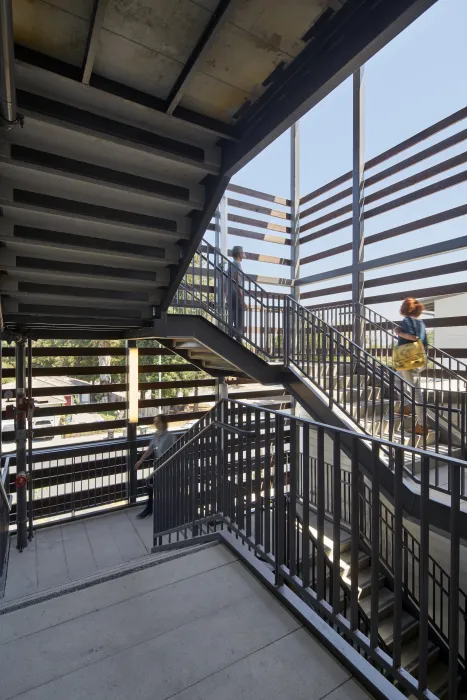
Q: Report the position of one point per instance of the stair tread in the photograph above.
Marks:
(346, 556)
(385, 601)
(438, 679)
(386, 626)
(410, 654)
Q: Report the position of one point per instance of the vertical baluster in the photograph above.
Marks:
(355, 537)
(454, 590)
(375, 542)
(424, 580)
(248, 483)
(396, 559)
(321, 568)
(279, 498)
(293, 467)
(336, 530)
(306, 506)
(257, 478)
(267, 482)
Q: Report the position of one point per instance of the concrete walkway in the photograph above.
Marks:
(62, 554)
(199, 627)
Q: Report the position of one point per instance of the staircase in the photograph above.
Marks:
(334, 379)
(310, 527)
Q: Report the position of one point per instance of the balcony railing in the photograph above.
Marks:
(266, 478)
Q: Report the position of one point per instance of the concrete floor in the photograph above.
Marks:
(64, 553)
(199, 627)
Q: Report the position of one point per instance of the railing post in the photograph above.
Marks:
(295, 207)
(295, 218)
(279, 511)
(358, 194)
(131, 430)
(30, 435)
(21, 435)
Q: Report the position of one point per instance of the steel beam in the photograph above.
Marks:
(92, 43)
(206, 41)
(358, 199)
(8, 114)
(131, 428)
(347, 42)
(215, 188)
(21, 435)
(295, 207)
(185, 117)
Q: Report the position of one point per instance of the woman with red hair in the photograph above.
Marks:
(412, 329)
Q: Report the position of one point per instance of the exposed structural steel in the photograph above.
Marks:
(8, 113)
(92, 43)
(358, 192)
(295, 206)
(134, 122)
(325, 533)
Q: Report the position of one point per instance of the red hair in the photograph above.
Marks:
(412, 307)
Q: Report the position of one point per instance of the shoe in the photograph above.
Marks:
(145, 512)
(419, 430)
(407, 411)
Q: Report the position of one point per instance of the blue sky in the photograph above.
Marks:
(418, 79)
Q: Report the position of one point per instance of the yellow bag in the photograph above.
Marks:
(409, 356)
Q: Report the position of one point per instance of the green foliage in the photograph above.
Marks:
(70, 362)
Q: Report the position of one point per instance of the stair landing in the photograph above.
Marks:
(198, 627)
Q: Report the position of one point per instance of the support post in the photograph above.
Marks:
(358, 203)
(30, 435)
(21, 436)
(131, 428)
(295, 208)
(294, 223)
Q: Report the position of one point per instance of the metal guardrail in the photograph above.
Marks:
(74, 481)
(253, 486)
(281, 329)
(379, 337)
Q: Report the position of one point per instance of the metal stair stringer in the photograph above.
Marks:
(239, 359)
(317, 406)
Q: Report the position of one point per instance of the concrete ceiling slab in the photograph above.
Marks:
(51, 30)
(170, 27)
(241, 59)
(213, 97)
(278, 24)
(135, 65)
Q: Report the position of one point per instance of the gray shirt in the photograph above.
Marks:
(161, 442)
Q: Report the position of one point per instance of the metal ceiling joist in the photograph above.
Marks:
(184, 116)
(92, 43)
(219, 17)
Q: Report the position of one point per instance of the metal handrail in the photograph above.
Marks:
(213, 424)
(250, 491)
(291, 319)
(382, 326)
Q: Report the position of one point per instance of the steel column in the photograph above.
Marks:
(358, 194)
(21, 434)
(30, 435)
(8, 111)
(295, 207)
(131, 431)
